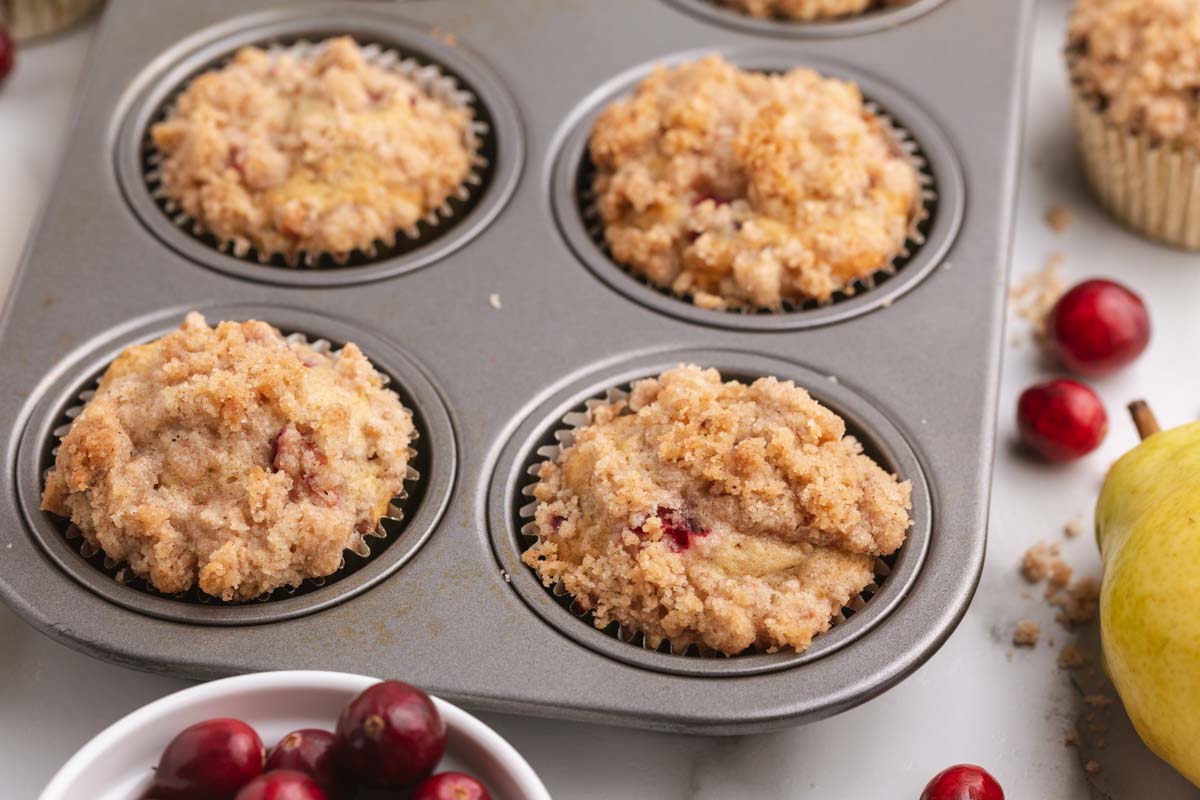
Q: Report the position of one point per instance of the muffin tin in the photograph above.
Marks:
(507, 318)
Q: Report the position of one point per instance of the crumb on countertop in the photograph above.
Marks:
(1058, 218)
(1073, 528)
(1092, 766)
(1071, 737)
(494, 301)
(1035, 295)
(1071, 657)
(1026, 633)
(1078, 602)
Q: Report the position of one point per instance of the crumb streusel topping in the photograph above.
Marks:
(809, 10)
(712, 513)
(311, 155)
(743, 189)
(1137, 59)
(231, 458)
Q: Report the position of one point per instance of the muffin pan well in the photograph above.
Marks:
(868, 22)
(411, 519)
(932, 232)
(537, 439)
(520, 318)
(442, 70)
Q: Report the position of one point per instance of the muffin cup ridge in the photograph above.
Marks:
(919, 216)
(429, 77)
(29, 19)
(1151, 187)
(565, 437)
(120, 572)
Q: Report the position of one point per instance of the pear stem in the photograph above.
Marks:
(1144, 419)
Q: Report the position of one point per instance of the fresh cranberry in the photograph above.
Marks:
(451, 786)
(310, 751)
(1061, 420)
(1098, 327)
(282, 784)
(8, 53)
(963, 782)
(210, 760)
(390, 736)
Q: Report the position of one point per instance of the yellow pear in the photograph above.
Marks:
(1148, 529)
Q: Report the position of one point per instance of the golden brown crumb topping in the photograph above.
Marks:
(1137, 58)
(715, 513)
(231, 458)
(808, 10)
(744, 189)
(325, 154)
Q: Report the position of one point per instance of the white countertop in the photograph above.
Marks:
(977, 700)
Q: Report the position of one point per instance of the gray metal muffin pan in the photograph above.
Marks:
(912, 364)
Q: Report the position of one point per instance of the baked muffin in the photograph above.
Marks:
(716, 514)
(232, 459)
(325, 153)
(809, 10)
(1134, 76)
(750, 190)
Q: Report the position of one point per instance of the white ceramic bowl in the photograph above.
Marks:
(117, 764)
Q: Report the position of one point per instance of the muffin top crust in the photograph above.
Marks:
(715, 513)
(809, 10)
(750, 190)
(232, 458)
(325, 153)
(1137, 59)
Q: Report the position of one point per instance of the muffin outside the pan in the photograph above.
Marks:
(1134, 77)
(809, 10)
(322, 154)
(232, 459)
(750, 190)
(714, 513)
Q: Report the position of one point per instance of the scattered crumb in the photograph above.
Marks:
(1092, 766)
(48, 300)
(1038, 561)
(506, 576)
(1017, 339)
(1073, 528)
(1071, 738)
(1034, 296)
(924, 422)
(1071, 657)
(1078, 603)
(1058, 218)
(1009, 656)
(8, 546)
(446, 38)
(1026, 633)
(886, 303)
(1026, 594)
(833, 379)
(1098, 700)
(494, 301)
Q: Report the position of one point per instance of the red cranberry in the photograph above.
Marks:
(390, 736)
(963, 782)
(451, 786)
(282, 784)
(210, 760)
(310, 751)
(1098, 327)
(8, 53)
(1061, 420)
(677, 527)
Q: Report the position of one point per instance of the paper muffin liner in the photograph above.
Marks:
(564, 438)
(1150, 186)
(28, 19)
(430, 79)
(919, 218)
(119, 571)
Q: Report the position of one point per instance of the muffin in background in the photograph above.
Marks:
(321, 153)
(27, 19)
(747, 190)
(809, 10)
(1134, 73)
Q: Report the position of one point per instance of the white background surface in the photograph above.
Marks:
(976, 700)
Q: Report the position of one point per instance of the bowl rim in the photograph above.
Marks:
(456, 719)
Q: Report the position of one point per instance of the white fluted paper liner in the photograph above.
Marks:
(28, 19)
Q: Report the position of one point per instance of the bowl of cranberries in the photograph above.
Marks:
(298, 736)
